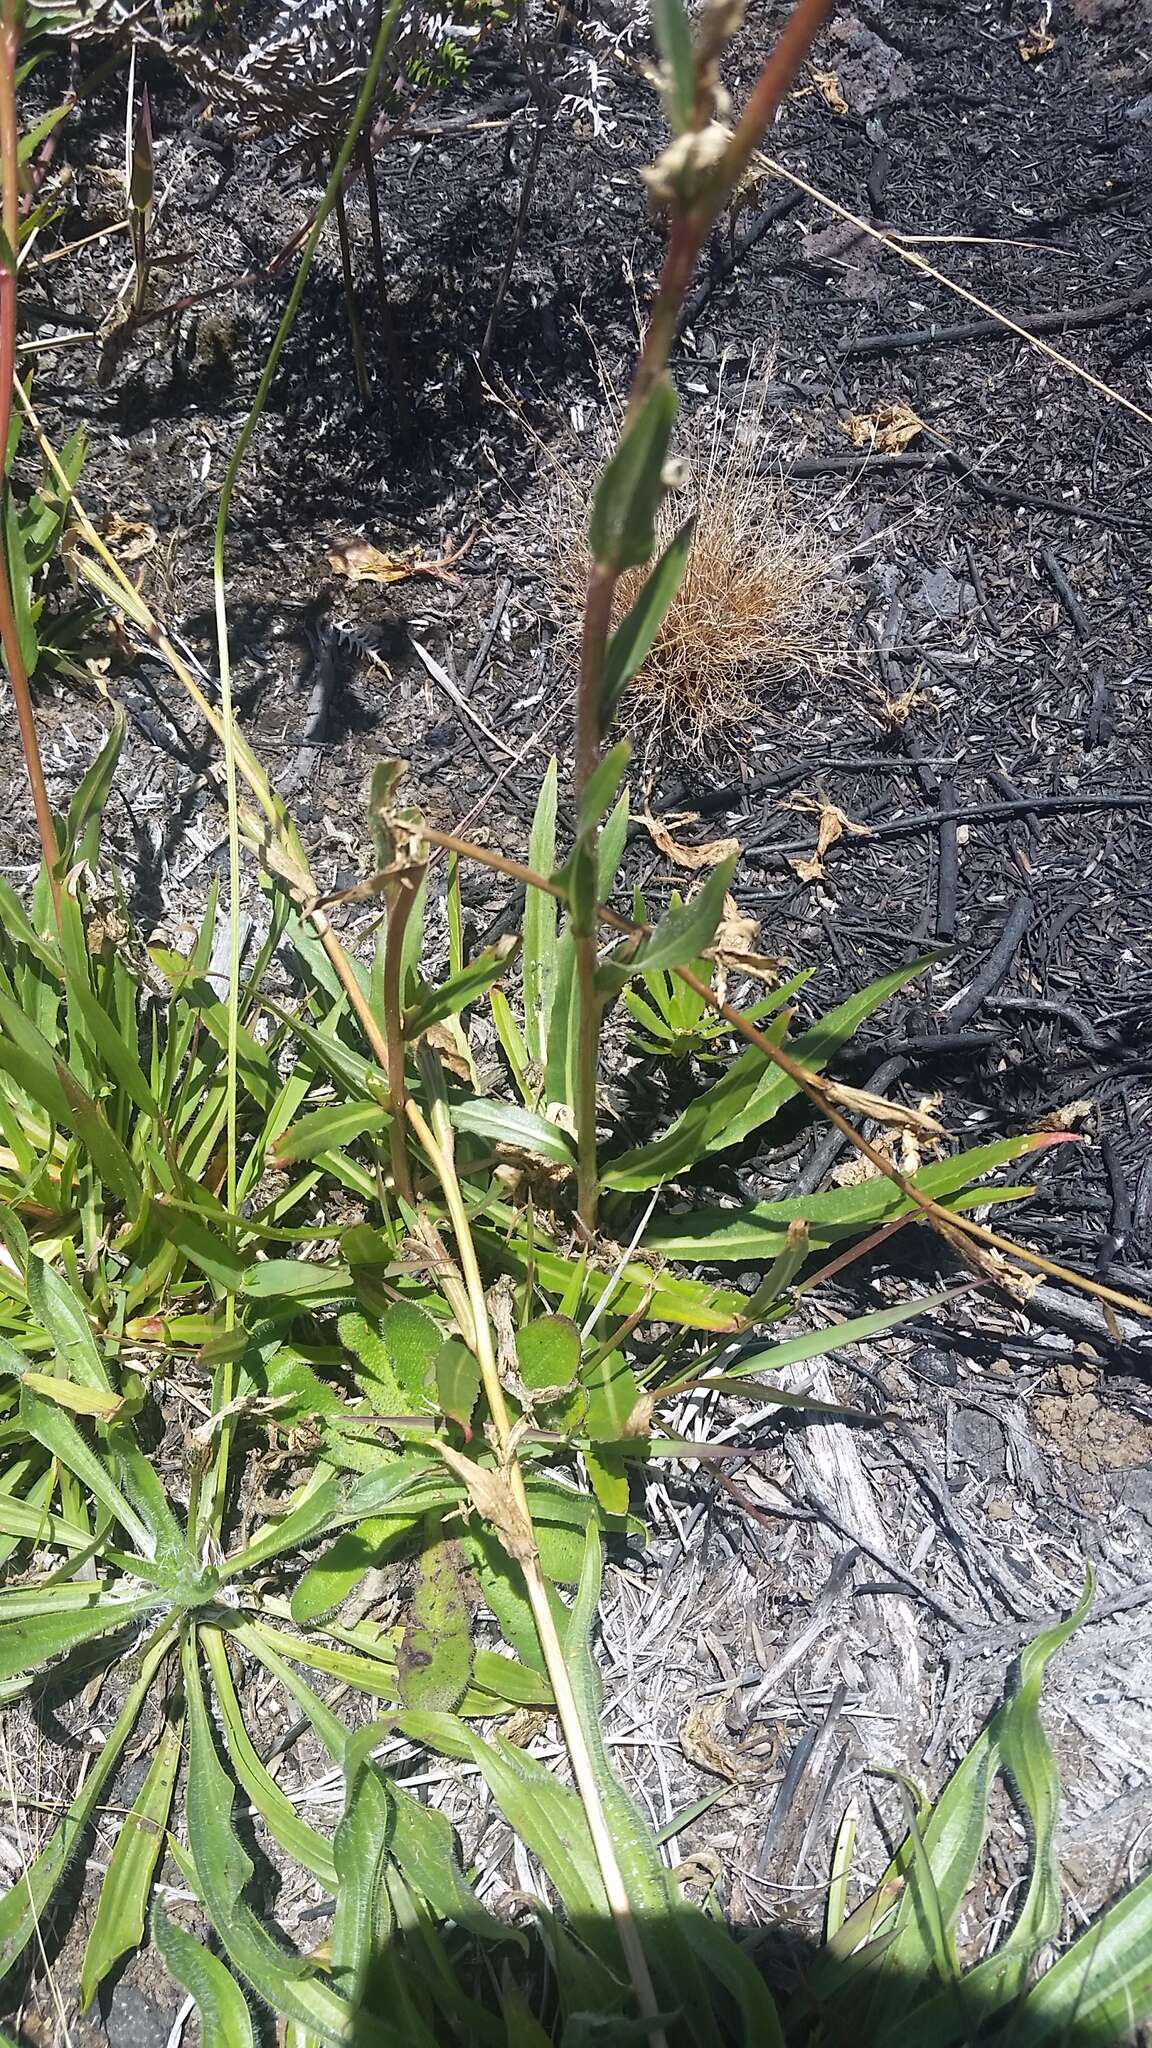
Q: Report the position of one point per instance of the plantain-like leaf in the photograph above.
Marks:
(303, 1843)
(285, 1979)
(760, 1231)
(361, 1922)
(123, 1904)
(27, 1644)
(694, 1304)
(1099, 1992)
(23, 1907)
(221, 2007)
(505, 1123)
(60, 1437)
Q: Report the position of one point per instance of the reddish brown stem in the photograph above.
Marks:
(691, 229)
(9, 633)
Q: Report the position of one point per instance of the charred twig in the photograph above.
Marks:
(1045, 1006)
(947, 864)
(1121, 1221)
(964, 1006)
(1066, 594)
(1061, 321)
(725, 265)
(970, 814)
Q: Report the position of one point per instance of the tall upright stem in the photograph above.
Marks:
(9, 256)
(593, 642)
(435, 1141)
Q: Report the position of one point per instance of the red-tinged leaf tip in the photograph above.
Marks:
(1042, 1140)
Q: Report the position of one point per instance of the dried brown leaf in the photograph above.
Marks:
(833, 824)
(492, 1497)
(708, 854)
(886, 432)
(828, 86)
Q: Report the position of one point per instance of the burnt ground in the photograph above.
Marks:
(980, 704)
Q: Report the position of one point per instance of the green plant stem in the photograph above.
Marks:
(9, 258)
(355, 331)
(437, 1147)
(224, 1390)
(593, 644)
(401, 898)
(689, 229)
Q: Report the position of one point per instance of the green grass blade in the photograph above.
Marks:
(221, 2008)
(280, 1976)
(24, 1906)
(541, 924)
(123, 1904)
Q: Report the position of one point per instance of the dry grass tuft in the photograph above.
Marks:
(756, 605)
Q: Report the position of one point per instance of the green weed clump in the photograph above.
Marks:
(287, 1297)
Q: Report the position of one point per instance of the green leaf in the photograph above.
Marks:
(327, 1130)
(601, 787)
(221, 2008)
(505, 1123)
(634, 637)
(64, 1317)
(224, 1870)
(458, 991)
(749, 1095)
(362, 1920)
(540, 923)
(548, 1354)
(680, 937)
(327, 1583)
(1100, 1990)
(208, 1249)
(758, 1232)
(457, 1382)
(61, 1438)
(20, 581)
(694, 1304)
(28, 1644)
(303, 1843)
(23, 1907)
(86, 810)
(674, 42)
(421, 1841)
(434, 1662)
(622, 529)
(123, 1904)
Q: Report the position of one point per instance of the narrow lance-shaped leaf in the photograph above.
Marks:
(622, 529)
(221, 2007)
(681, 935)
(360, 1924)
(674, 40)
(224, 1870)
(635, 636)
(123, 1904)
(540, 922)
